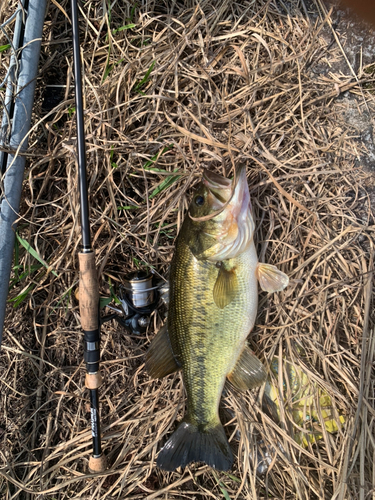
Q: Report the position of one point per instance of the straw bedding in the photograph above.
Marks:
(187, 85)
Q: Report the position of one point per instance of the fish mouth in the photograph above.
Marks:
(220, 187)
(234, 225)
(240, 201)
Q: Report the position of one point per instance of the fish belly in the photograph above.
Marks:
(207, 340)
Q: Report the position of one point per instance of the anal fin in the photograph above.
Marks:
(160, 360)
(270, 278)
(248, 372)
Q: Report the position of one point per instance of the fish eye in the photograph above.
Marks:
(199, 200)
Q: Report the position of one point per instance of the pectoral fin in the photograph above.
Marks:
(270, 278)
(225, 288)
(160, 360)
(248, 372)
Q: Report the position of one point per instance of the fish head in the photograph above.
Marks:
(221, 225)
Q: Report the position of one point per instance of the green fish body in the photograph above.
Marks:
(213, 305)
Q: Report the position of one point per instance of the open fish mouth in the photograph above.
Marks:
(240, 202)
(222, 190)
(234, 224)
(220, 187)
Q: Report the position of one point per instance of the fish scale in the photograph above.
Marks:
(205, 339)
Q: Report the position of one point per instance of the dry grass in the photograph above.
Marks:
(197, 85)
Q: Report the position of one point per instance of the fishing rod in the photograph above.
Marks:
(88, 280)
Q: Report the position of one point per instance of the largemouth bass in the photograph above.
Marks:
(213, 305)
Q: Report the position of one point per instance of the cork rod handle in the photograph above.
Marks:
(88, 291)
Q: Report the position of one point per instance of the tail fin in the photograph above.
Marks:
(188, 444)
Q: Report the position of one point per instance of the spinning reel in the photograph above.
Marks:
(139, 296)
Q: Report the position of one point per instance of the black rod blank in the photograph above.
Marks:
(81, 147)
(95, 423)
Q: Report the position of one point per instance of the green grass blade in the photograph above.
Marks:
(21, 296)
(107, 71)
(34, 253)
(110, 67)
(148, 163)
(19, 277)
(132, 12)
(233, 478)
(128, 207)
(171, 179)
(112, 291)
(144, 80)
(104, 301)
(224, 492)
(123, 28)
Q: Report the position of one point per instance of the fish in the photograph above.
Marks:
(213, 304)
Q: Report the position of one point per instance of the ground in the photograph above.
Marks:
(170, 88)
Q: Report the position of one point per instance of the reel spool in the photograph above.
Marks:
(139, 298)
(138, 287)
